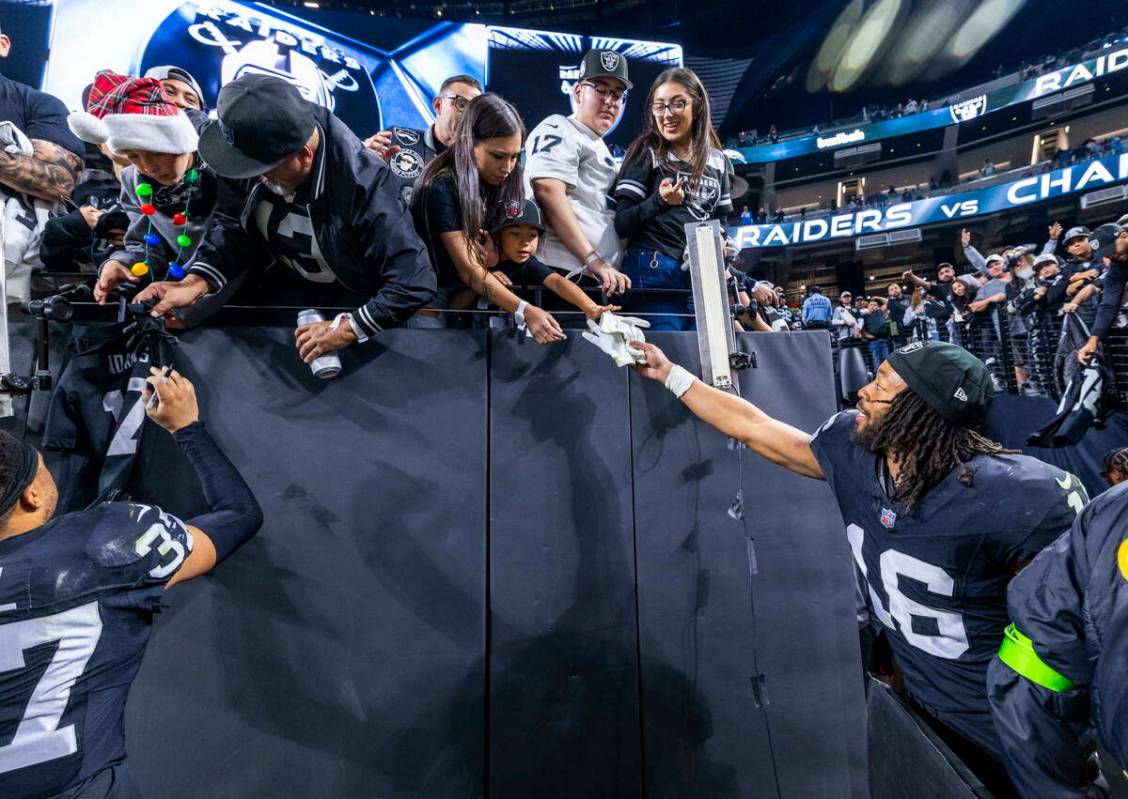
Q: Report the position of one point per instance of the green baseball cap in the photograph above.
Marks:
(951, 380)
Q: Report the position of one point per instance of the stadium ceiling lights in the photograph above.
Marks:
(980, 27)
(867, 42)
(835, 42)
(926, 33)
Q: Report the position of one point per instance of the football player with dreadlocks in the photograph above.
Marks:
(939, 518)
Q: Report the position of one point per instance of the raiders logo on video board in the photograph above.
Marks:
(221, 41)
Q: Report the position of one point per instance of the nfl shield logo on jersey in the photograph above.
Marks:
(888, 518)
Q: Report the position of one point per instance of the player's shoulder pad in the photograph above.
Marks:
(1028, 472)
(125, 533)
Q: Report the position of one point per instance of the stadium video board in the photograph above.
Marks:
(371, 71)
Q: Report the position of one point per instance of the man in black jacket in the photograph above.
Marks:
(1111, 241)
(300, 188)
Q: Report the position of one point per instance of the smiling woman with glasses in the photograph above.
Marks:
(674, 173)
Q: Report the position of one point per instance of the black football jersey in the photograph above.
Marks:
(937, 578)
(712, 199)
(77, 597)
(97, 414)
(416, 149)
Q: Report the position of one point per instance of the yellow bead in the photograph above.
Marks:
(140, 269)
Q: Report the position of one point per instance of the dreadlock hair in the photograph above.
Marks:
(1115, 461)
(927, 446)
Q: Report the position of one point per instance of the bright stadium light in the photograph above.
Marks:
(834, 43)
(926, 33)
(986, 21)
(867, 41)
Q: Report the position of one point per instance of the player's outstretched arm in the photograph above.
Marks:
(234, 515)
(778, 442)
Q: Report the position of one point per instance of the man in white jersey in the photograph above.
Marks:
(570, 172)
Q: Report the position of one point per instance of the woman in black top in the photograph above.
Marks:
(674, 173)
(465, 192)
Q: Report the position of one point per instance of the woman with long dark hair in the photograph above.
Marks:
(464, 192)
(673, 173)
(963, 295)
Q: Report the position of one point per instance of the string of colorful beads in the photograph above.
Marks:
(152, 239)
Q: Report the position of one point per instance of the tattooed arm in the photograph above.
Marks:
(49, 173)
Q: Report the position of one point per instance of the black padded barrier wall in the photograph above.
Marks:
(341, 652)
(751, 679)
(563, 655)
(495, 569)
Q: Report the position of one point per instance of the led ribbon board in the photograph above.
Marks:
(1086, 176)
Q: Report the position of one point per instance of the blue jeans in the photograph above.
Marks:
(879, 351)
(648, 269)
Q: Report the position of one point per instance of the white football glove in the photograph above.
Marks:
(614, 334)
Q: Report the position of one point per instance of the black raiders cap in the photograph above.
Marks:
(262, 120)
(605, 64)
(1103, 240)
(517, 214)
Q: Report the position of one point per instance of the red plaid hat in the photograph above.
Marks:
(128, 113)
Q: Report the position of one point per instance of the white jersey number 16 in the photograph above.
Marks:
(952, 639)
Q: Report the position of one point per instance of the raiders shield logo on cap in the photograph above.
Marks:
(609, 59)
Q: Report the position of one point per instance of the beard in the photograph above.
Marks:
(869, 434)
(284, 191)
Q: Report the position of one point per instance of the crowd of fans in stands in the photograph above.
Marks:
(1008, 308)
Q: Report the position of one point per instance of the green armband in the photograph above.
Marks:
(1018, 652)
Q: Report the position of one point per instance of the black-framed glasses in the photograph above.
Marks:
(459, 102)
(675, 108)
(615, 96)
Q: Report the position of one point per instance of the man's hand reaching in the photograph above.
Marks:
(173, 294)
(657, 366)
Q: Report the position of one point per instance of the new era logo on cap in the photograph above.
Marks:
(960, 394)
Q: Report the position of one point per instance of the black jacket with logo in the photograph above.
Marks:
(360, 224)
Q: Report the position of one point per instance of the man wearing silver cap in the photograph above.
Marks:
(570, 172)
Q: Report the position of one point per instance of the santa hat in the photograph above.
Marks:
(128, 113)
